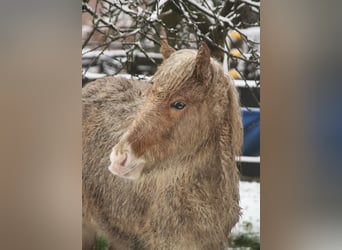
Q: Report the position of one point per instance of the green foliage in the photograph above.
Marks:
(245, 241)
(240, 241)
(101, 243)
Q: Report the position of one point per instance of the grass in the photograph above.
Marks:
(244, 241)
(101, 243)
(240, 241)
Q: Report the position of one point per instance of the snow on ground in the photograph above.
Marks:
(250, 204)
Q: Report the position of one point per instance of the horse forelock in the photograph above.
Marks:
(174, 72)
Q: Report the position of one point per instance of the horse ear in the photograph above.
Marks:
(165, 49)
(202, 62)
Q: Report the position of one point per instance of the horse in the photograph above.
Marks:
(159, 168)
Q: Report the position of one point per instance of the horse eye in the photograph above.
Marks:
(178, 105)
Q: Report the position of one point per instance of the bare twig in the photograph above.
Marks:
(251, 3)
(195, 21)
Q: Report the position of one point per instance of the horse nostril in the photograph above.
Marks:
(123, 160)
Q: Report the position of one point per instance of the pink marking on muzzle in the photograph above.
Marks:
(122, 159)
(125, 165)
(117, 162)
